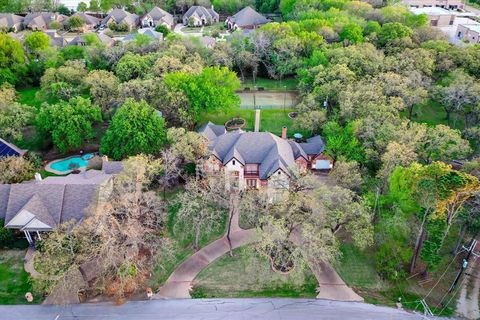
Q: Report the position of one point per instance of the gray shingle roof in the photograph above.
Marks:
(211, 130)
(159, 15)
(112, 167)
(201, 11)
(86, 18)
(267, 150)
(313, 146)
(4, 192)
(56, 200)
(248, 17)
(121, 16)
(10, 19)
(42, 19)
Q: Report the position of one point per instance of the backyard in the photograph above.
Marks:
(288, 84)
(248, 274)
(271, 120)
(14, 281)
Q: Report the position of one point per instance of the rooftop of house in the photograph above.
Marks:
(264, 148)
(148, 32)
(10, 19)
(121, 16)
(88, 19)
(103, 38)
(432, 11)
(248, 17)
(158, 14)
(472, 27)
(42, 19)
(9, 149)
(200, 10)
(43, 205)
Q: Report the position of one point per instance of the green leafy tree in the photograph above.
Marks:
(341, 142)
(352, 33)
(94, 6)
(70, 123)
(434, 194)
(133, 66)
(15, 170)
(75, 23)
(64, 82)
(135, 128)
(103, 86)
(82, 7)
(62, 9)
(12, 58)
(13, 116)
(73, 53)
(213, 89)
(37, 41)
(392, 31)
(163, 30)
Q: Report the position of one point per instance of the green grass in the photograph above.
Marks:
(356, 268)
(432, 113)
(169, 260)
(28, 96)
(14, 281)
(269, 84)
(271, 120)
(248, 274)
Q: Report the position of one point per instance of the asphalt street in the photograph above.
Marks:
(209, 309)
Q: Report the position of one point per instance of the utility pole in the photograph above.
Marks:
(464, 264)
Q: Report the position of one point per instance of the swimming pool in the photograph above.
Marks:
(72, 163)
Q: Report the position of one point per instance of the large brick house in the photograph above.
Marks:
(261, 159)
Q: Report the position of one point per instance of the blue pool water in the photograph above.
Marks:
(72, 163)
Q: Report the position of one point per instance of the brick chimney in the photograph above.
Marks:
(284, 133)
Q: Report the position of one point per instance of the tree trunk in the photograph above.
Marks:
(197, 238)
(460, 238)
(410, 112)
(418, 245)
(229, 229)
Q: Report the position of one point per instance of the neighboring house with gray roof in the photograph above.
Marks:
(154, 35)
(41, 205)
(200, 16)
(157, 16)
(260, 159)
(89, 22)
(247, 18)
(11, 22)
(55, 39)
(120, 17)
(42, 20)
(81, 40)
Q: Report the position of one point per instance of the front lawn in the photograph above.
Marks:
(28, 96)
(14, 281)
(271, 120)
(247, 275)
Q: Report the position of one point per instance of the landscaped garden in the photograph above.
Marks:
(248, 274)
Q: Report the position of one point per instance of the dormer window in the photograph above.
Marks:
(233, 162)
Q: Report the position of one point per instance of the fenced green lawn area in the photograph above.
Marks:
(14, 281)
(248, 274)
(271, 120)
(270, 84)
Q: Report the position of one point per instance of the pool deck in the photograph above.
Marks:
(49, 168)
